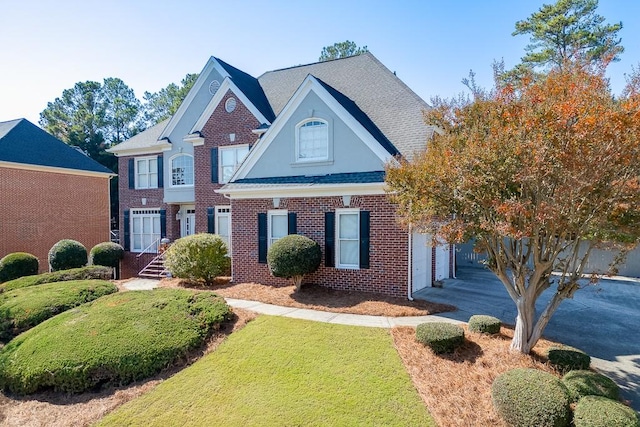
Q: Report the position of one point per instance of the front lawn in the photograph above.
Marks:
(281, 371)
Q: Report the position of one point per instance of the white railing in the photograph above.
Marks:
(155, 243)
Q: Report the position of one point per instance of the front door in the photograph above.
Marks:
(187, 221)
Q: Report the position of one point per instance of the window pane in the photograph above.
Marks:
(153, 180)
(156, 225)
(143, 181)
(313, 140)
(136, 225)
(223, 226)
(279, 226)
(137, 242)
(146, 225)
(142, 166)
(349, 252)
(153, 166)
(348, 226)
(241, 154)
(228, 157)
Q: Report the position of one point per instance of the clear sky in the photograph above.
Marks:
(49, 45)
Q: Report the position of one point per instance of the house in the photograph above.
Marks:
(297, 150)
(49, 191)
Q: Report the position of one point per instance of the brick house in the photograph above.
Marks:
(48, 191)
(298, 150)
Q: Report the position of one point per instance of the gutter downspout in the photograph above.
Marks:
(410, 266)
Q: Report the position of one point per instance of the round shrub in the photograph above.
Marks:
(116, 339)
(598, 411)
(589, 383)
(108, 254)
(67, 254)
(17, 264)
(565, 358)
(484, 324)
(441, 337)
(198, 257)
(293, 256)
(530, 397)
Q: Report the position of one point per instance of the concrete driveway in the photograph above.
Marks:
(603, 320)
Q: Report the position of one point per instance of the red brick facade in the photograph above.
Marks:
(39, 208)
(388, 243)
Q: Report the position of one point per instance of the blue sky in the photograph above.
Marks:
(48, 46)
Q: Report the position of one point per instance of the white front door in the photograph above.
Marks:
(442, 262)
(187, 221)
(420, 262)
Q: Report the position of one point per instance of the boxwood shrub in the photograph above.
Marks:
(67, 254)
(441, 337)
(199, 257)
(589, 383)
(108, 254)
(598, 411)
(24, 308)
(18, 264)
(484, 324)
(530, 397)
(293, 256)
(82, 273)
(119, 338)
(565, 358)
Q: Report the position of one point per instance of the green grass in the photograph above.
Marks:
(118, 338)
(286, 372)
(82, 273)
(24, 308)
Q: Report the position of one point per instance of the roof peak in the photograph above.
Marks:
(317, 62)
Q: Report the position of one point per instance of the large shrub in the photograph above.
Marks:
(530, 397)
(565, 358)
(17, 264)
(24, 308)
(484, 324)
(589, 383)
(441, 337)
(67, 254)
(293, 256)
(119, 338)
(199, 257)
(82, 273)
(108, 254)
(598, 411)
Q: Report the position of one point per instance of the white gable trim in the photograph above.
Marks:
(54, 169)
(248, 191)
(158, 147)
(197, 86)
(227, 85)
(310, 84)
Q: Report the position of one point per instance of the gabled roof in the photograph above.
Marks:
(146, 141)
(25, 143)
(389, 103)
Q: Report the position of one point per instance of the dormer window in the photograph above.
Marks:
(312, 141)
(182, 170)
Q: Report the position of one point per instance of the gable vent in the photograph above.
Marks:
(214, 86)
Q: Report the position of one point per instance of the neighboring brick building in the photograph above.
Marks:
(48, 192)
(298, 150)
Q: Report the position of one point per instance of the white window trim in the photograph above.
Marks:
(325, 159)
(270, 215)
(171, 184)
(340, 212)
(147, 212)
(237, 165)
(135, 173)
(219, 212)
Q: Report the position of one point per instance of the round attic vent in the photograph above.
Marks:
(230, 105)
(214, 86)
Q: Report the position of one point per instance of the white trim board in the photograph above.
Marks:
(303, 190)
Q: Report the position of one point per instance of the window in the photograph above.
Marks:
(278, 225)
(230, 159)
(223, 224)
(348, 238)
(182, 170)
(145, 230)
(146, 170)
(312, 141)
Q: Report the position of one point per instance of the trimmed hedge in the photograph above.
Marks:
(293, 256)
(22, 309)
(441, 337)
(530, 397)
(116, 339)
(18, 264)
(565, 358)
(108, 254)
(598, 411)
(82, 273)
(589, 383)
(198, 257)
(483, 324)
(67, 254)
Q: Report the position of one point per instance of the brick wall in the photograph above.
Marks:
(38, 208)
(388, 248)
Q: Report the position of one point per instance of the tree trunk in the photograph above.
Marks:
(297, 280)
(524, 326)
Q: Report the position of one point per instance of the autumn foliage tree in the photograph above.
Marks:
(539, 175)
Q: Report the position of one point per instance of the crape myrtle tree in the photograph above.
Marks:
(539, 174)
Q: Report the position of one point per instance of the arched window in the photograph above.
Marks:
(182, 170)
(312, 141)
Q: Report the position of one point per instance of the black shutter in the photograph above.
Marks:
(160, 173)
(132, 174)
(262, 238)
(329, 238)
(214, 165)
(125, 227)
(211, 220)
(364, 239)
(163, 223)
(293, 226)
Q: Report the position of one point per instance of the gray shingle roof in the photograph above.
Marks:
(145, 139)
(335, 178)
(394, 108)
(23, 142)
